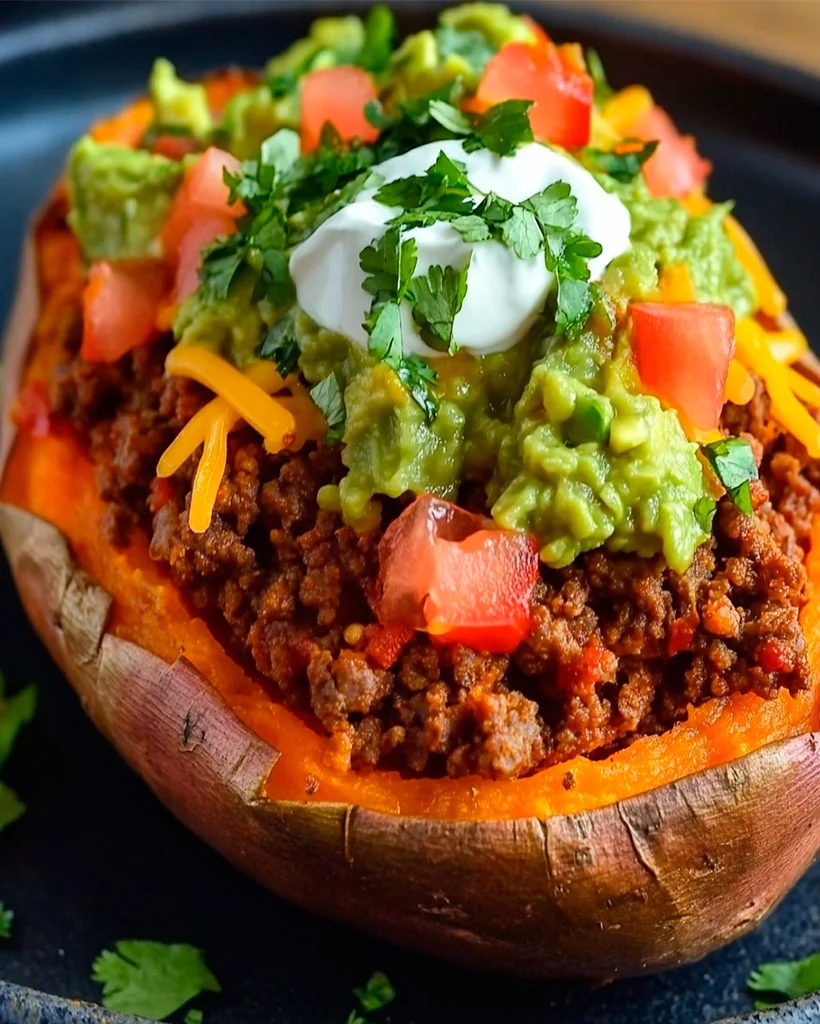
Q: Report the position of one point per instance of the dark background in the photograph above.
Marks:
(96, 859)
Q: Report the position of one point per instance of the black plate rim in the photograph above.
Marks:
(94, 26)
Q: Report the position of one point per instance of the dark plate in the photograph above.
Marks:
(96, 858)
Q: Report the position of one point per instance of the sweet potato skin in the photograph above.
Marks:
(648, 883)
(645, 884)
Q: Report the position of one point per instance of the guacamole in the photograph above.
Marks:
(119, 199)
(556, 429)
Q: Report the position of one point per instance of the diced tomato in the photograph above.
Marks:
(175, 147)
(338, 96)
(203, 193)
(681, 635)
(387, 642)
(682, 353)
(189, 255)
(775, 655)
(442, 571)
(552, 77)
(120, 307)
(199, 214)
(161, 492)
(675, 168)
(31, 409)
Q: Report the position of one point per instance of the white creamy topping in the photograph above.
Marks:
(504, 293)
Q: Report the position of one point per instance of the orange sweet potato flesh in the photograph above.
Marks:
(53, 478)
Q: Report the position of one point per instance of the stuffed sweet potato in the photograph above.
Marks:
(415, 475)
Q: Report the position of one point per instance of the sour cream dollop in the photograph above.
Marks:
(504, 293)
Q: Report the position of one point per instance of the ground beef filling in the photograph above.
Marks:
(621, 645)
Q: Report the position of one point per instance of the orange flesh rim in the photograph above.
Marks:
(53, 478)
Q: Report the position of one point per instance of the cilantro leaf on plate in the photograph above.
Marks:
(376, 994)
(12, 807)
(152, 979)
(787, 979)
(437, 298)
(419, 378)
(733, 462)
(328, 396)
(15, 712)
(6, 918)
(193, 1017)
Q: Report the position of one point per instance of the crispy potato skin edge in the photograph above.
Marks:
(645, 884)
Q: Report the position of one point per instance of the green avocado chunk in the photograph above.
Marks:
(178, 103)
(119, 199)
(590, 462)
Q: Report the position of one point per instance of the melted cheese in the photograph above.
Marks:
(754, 352)
(284, 422)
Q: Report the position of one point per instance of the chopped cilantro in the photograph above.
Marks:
(420, 379)
(221, 263)
(385, 335)
(374, 112)
(437, 297)
(152, 979)
(6, 918)
(704, 511)
(354, 1017)
(623, 163)
(502, 128)
(389, 263)
(193, 1017)
(450, 117)
(785, 979)
(469, 44)
(603, 90)
(327, 395)
(376, 994)
(521, 232)
(734, 465)
(281, 346)
(15, 712)
(379, 33)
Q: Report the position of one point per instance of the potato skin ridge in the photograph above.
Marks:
(645, 883)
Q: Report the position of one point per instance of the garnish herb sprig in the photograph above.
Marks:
(733, 463)
(153, 979)
(624, 162)
(374, 996)
(15, 712)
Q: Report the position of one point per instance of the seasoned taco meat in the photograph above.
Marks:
(620, 647)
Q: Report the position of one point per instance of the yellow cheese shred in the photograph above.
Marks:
(769, 294)
(753, 351)
(740, 387)
(267, 416)
(210, 471)
(286, 421)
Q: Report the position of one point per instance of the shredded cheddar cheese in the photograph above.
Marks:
(787, 346)
(267, 416)
(769, 294)
(675, 284)
(287, 421)
(740, 387)
(754, 352)
(210, 471)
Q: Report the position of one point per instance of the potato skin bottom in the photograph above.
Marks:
(648, 883)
